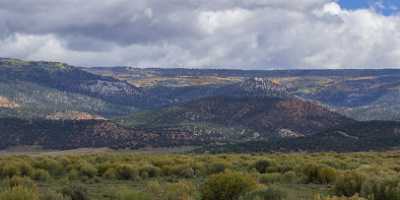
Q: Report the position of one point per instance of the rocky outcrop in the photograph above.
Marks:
(7, 103)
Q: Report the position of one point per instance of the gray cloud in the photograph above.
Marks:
(196, 33)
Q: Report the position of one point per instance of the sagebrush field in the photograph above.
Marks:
(172, 176)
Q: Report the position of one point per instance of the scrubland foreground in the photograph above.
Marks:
(144, 176)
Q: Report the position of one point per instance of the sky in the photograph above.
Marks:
(385, 7)
(240, 34)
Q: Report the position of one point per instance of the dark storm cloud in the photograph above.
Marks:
(226, 33)
(122, 22)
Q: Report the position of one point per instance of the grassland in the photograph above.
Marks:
(105, 174)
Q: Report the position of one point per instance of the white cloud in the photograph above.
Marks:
(332, 8)
(211, 21)
(225, 33)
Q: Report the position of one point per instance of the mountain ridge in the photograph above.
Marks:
(57, 105)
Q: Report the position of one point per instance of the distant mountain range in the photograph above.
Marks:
(363, 94)
(56, 105)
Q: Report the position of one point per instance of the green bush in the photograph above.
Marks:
(87, 169)
(149, 171)
(291, 177)
(127, 172)
(52, 195)
(110, 173)
(76, 192)
(41, 175)
(348, 184)
(19, 193)
(270, 178)
(215, 168)
(270, 193)
(381, 189)
(127, 194)
(74, 175)
(10, 169)
(227, 186)
(21, 181)
(186, 172)
(262, 166)
(183, 190)
(54, 167)
(326, 175)
(25, 169)
(355, 197)
(319, 174)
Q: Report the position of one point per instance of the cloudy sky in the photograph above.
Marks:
(204, 33)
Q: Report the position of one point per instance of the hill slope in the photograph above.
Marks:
(264, 116)
(358, 136)
(71, 134)
(251, 87)
(42, 88)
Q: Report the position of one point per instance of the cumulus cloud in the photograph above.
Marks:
(197, 33)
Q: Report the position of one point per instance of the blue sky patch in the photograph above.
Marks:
(386, 7)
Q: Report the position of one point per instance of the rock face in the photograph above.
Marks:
(6, 103)
(286, 133)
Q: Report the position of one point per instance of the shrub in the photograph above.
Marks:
(227, 186)
(110, 173)
(319, 174)
(186, 172)
(73, 174)
(52, 195)
(149, 171)
(183, 190)
(41, 175)
(155, 188)
(87, 169)
(21, 181)
(76, 192)
(54, 167)
(127, 194)
(355, 197)
(9, 170)
(348, 184)
(15, 168)
(270, 193)
(381, 189)
(262, 166)
(127, 172)
(291, 177)
(270, 178)
(326, 175)
(25, 169)
(19, 193)
(311, 173)
(215, 168)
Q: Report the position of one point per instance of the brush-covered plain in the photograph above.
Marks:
(183, 176)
